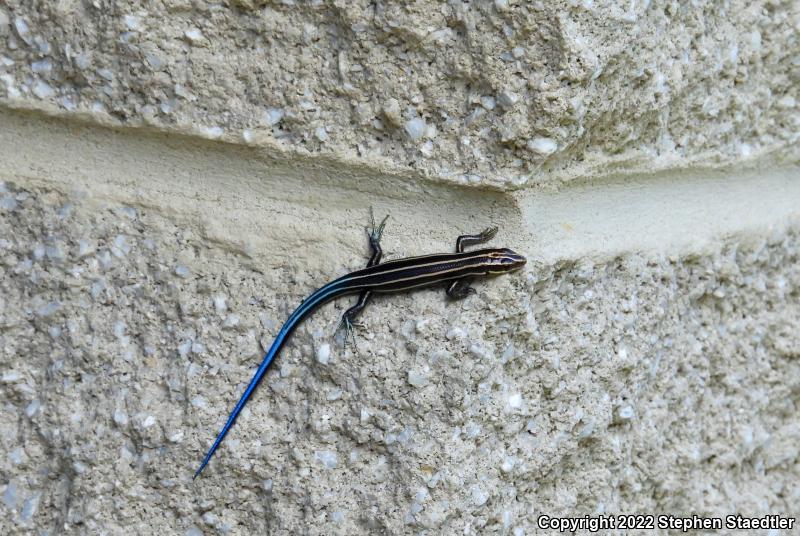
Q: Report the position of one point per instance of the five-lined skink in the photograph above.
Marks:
(459, 268)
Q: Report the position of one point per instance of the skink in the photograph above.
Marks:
(459, 268)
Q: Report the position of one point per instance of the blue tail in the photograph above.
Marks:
(324, 294)
(268, 358)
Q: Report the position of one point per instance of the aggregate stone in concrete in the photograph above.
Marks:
(641, 384)
(500, 93)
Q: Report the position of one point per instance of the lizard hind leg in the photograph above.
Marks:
(349, 316)
(374, 234)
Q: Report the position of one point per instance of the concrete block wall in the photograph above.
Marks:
(176, 177)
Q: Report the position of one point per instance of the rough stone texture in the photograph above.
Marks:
(638, 383)
(503, 93)
(644, 384)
